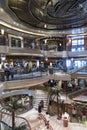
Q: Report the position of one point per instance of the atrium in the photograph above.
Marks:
(43, 64)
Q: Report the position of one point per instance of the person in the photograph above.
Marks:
(65, 119)
(39, 108)
(66, 115)
(42, 103)
(74, 112)
(59, 116)
(47, 119)
(84, 112)
(50, 101)
(7, 71)
(11, 71)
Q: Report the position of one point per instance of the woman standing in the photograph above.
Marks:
(74, 112)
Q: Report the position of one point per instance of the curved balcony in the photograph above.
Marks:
(27, 83)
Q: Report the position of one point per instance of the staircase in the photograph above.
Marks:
(40, 95)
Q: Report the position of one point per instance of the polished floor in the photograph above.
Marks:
(32, 115)
(38, 124)
(56, 124)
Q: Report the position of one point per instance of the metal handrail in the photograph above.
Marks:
(25, 120)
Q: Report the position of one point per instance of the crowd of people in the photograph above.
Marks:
(9, 69)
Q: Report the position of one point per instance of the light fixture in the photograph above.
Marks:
(3, 57)
(37, 63)
(45, 41)
(46, 58)
(60, 44)
(21, 30)
(50, 64)
(1, 9)
(2, 31)
(0, 66)
(45, 26)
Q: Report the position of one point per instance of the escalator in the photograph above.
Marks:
(78, 93)
(77, 70)
(4, 126)
(80, 73)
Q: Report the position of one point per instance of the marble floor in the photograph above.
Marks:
(38, 124)
(32, 116)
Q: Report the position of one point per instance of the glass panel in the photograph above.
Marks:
(73, 49)
(4, 126)
(74, 42)
(68, 63)
(15, 42)
(77, 45)
(81, 42)
(80, 48)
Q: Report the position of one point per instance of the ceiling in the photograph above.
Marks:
(43, 16)
(50, 14)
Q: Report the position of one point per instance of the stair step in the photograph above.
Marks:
(40, 95)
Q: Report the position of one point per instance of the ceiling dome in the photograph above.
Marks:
(51, 14)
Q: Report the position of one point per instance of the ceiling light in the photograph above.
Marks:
(46, 58)
(20, 37)
(60, 44)
(21, 30)
(45, 41)
(45, 26)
